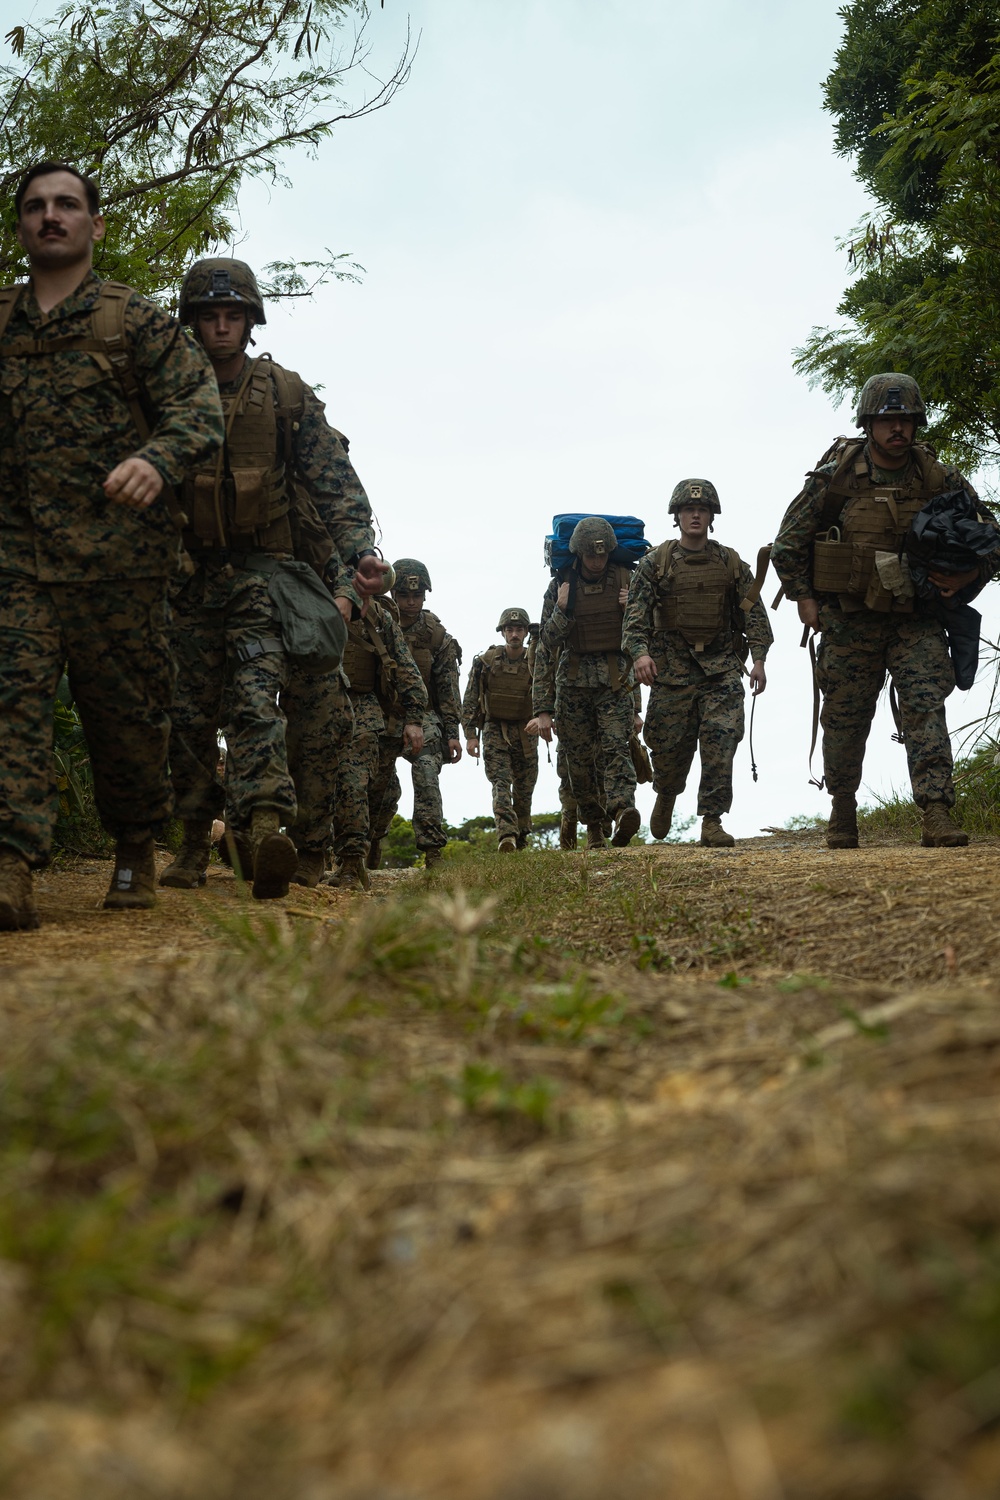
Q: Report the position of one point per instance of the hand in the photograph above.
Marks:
(541, 724)
(758, 677)
(562, 597)
(133, 483)
(472, 747)
(637, 723)
(453, 753)
(369, 576)
(948, 584)
(623, 597)
(413, 739)
(809, 613)
(645, 670)
(344, 605)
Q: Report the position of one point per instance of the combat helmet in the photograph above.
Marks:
(514, 616)
(219, 279)
(695, 492)
(412, 576)
(885, 395)
(593, 537)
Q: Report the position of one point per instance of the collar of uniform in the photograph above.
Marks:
(890, 477)
(232, 386)
(82, 300)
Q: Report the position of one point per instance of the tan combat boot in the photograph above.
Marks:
(713, 835)
(595, 836)
(662, 815)
(275, 857)
(191, 861)
(507, 846)
(373, 859)
(133, 881)
(567, 831)
(350, 875)
(18, 912)
(842, 830)
(626, 826)
(310, 868)
(939, 831)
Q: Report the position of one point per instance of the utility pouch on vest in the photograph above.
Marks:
(312, 627)
(891, 581)
(201, 502)
(832, 561)
(251, 498)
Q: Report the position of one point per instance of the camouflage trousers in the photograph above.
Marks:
(318, 735)
(567, 801)
(112, 638)
(855, 652)
(385, 790)
(591, 722)
(512, 770)
(707, 716)
(358, 766)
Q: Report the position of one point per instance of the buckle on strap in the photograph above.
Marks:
(265, 646)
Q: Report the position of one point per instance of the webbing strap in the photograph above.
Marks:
(897, 718)
(753, 593)
(753, 759)
(808, 639)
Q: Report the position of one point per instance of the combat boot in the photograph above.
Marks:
(842, 830)
(190, 863)
(713, 835)
(939, 831)
(522, 841)
(431, 857)
(567, 831)
(350, 875)
(507, 846)
(595, 836)
(18, 912)
(275, 857)
(310, 868)
(373, 858)
(626, 826)
(662, 815)
(133, 882)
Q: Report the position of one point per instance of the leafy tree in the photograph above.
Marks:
(915, 91)
(172, 107)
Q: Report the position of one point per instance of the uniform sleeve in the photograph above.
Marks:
(543, 681)
(758, 626)
(409, 683)
(471, 715)
(444, 677)
(176, 376)
(637, 628)
(792, 550)
(322, 465)
(555, 624)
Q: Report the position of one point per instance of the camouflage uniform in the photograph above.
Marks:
(510, 755)
(696, 701)
(359, 764)
(441, 724)
(83, 579)
(859, 645)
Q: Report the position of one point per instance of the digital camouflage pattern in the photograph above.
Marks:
(511, 763)
(593, 536)
(113, 639)
(412, 576)
(889, 393)
(385, 791)
(219, 279)
(693, 491)
(443, 689)
(514, 616)
(65, 424)
(319, 725)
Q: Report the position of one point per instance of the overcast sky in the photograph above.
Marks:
(593, 234)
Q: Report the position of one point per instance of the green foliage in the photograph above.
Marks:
(172, 109)
(977, 805)
(915, 91)
(78, 828)
(399, 847)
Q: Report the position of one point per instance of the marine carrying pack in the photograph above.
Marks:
(629, 533)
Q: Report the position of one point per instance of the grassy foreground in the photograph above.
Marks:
(660, 1173)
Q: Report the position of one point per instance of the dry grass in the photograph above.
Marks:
(666, 1173)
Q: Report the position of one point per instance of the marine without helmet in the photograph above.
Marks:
(514, 616)
(219, 279)
(695, 492)
(412, 576)
(889, 394)
(593, 537)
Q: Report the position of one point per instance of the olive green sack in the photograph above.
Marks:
(313, 632)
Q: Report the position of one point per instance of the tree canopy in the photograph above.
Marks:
(915, 92)
(171, 107)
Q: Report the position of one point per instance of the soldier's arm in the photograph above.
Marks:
(322, 464)
(471, 713)
(409, 683)
(555, 624)
(637, 627)
(543, 685)
(444, 672)
(792, 550)
(182, 396)
(758, 626)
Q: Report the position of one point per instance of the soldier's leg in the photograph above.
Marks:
(525, 769)
(500, 773)
(615, 716)
(198, 642)
(671, 734)
(31, 658)
(576, 723)
(567, 802)
(921, 669)
(257, 671)
(384, 791)
(121, 673)
(722, 726)
(358, 764)
(428, 811)
(320, 723)
(850, 670)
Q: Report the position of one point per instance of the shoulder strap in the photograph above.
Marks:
(108, 323)
(290, 405)
(664, 556)
(753, 592)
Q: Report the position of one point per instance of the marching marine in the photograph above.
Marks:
(282, 488)
(692, 615)
(589, 694)
(837, 555)
(438, 656)
(497, 705)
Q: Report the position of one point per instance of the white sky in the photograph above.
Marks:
(593, 233)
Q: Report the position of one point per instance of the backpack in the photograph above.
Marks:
(629, 533)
